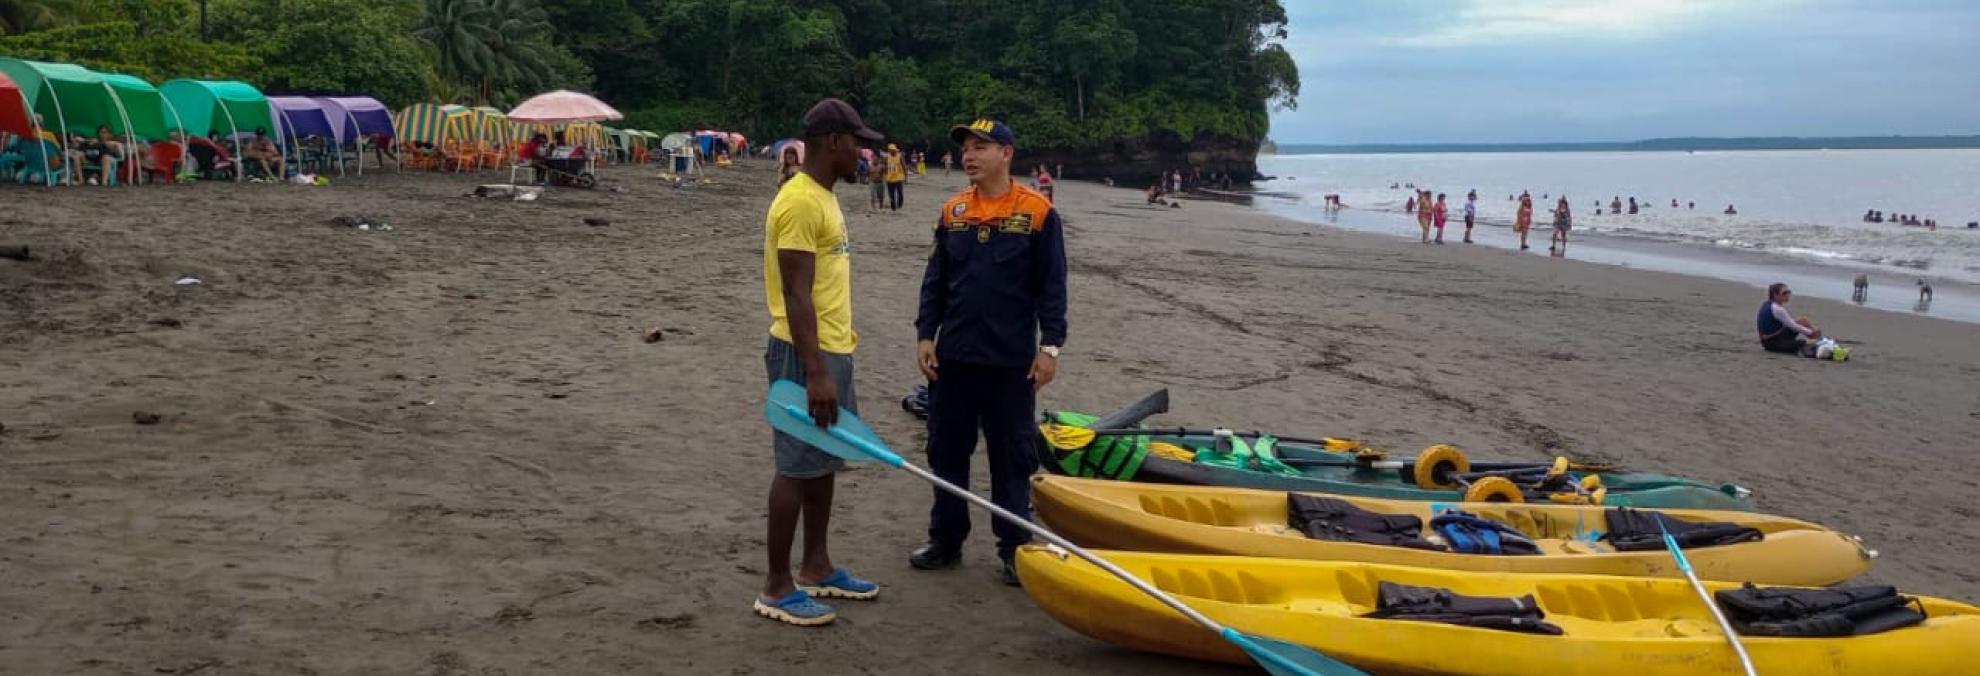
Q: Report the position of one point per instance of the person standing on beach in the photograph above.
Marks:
(1563, 222)
(807, 281)
(1523, 220)
(1424, 215)
(896, 177)
(991, 322)
(1470, 213)
(1441, 215)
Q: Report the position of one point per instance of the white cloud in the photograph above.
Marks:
(1485, 22)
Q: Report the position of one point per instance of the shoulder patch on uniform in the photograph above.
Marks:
(959, 208)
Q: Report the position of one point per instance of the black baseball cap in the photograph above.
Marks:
(833, 116)
(994, 131)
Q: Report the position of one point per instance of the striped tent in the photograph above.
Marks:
(492, 125)
(434, 124)
(588, 134)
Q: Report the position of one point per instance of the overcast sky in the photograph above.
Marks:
(1492, 71)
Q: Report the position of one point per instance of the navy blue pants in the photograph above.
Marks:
(999, 401)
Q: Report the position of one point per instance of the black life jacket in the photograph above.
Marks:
(1470, 534)
(1633, 530)
(1431, 604)
(1336, 520)
(1840, 611)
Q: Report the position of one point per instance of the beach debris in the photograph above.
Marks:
(521, 193)
(597, 221)
(653, 335)
(145, 418)
(514, 614)
(19, 253)
(188, 280)
(361, 223)
(680, 621)
(167, 322)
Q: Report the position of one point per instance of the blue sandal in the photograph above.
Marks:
(842, 585)
(796, 608)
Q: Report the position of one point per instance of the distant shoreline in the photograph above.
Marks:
(1649, 145)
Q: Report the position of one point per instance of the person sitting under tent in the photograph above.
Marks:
(213, 159)
(100, 155)
(262, 150)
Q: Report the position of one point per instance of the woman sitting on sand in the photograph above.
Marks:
(1782, 332)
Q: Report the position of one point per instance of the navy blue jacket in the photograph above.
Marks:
(995, 286)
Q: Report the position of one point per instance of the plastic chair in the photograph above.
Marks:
(165, 158)
(32, 158)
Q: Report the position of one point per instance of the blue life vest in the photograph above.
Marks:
(1768, 324)
(1466, 533)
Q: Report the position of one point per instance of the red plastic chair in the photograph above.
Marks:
(165, 159)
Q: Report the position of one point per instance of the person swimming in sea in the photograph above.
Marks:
(1730, 211)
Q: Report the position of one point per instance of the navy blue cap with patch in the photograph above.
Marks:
(989, 130)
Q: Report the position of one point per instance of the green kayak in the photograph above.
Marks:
(1203, 458)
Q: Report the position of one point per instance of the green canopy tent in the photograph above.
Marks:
(68, 97)
(147, 115)
(206, 106)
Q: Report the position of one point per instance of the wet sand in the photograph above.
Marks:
(445, 449)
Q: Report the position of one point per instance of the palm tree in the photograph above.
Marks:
(489, 45)
(519, 51)
(459, 31)
(21, 16)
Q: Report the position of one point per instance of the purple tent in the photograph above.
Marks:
(299, 117)
(352, 118)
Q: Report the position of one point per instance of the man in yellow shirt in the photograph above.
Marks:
(807, 282)
(896, 176)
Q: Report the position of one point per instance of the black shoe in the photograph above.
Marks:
(934, 556)
(1008, 574)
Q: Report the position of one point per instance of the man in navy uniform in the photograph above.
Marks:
(992, 320)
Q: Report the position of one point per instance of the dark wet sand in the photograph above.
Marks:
(445, 450)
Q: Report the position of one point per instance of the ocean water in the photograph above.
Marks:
(1802, 205)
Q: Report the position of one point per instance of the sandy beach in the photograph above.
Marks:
(444, 449)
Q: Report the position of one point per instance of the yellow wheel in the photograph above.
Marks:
(1436, 464)
(1493, 489)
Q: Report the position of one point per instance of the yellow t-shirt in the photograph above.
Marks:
(806, 217)
(896, 170)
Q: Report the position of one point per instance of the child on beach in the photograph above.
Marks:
(1440, 214)
(1423, 213)
(1563, 221)
(1470, 213)
(1524, 220)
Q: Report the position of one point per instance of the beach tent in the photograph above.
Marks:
(777, 150)
(70, 99)
(353, 118)
(14, 118)
(493, 134)
(433, 124)
(300, 117)
(206, 106)
(146, 112)
(682, 151)
(148, 116)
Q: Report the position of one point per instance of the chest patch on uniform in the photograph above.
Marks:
(958, 209)
(982, 235)
(1017, 224)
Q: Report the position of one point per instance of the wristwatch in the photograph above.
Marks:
(1050, 350)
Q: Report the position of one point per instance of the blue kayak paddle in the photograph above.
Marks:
(854, 441)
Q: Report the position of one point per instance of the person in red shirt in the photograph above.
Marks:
(534, 153)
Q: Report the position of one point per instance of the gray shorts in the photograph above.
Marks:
(796, 459)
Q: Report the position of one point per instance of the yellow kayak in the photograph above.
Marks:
(1610, 625)
(1245, 522)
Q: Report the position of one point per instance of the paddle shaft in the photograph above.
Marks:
(1193, 432)
(1725, 625)
(1053, 538)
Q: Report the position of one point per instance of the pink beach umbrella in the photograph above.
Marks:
(563, 106)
